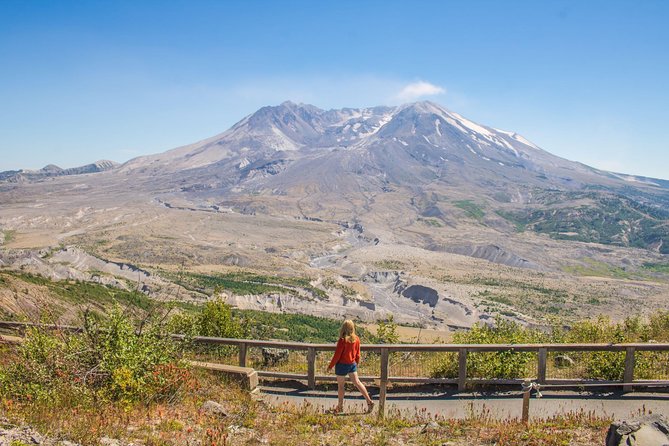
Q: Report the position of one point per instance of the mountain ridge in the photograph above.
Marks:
(52, 170)
(418, 158)
(336, 163)
(289, 127)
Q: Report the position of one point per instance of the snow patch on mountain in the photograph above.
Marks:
(636, 179)
(472, 126)
(282, 142)
(455, 124)
(519, 138)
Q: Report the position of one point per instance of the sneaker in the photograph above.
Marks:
(370, 406)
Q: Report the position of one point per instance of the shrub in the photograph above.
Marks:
(214, 319)
(109, 360)
(590, 365)
(505, 364)
(387, 331)
(658, 327)
(602, 365)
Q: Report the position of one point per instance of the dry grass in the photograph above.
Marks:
(249, 421)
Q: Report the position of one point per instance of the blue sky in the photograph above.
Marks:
(82, 81)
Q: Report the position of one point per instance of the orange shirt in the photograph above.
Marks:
(346, 352)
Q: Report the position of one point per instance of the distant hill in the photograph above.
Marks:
(52, 170)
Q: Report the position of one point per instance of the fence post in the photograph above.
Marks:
(383, 385)
(525, 417)
(242, 354)
(541, 366)
(628, 377)
(311, 367)
(462, 369)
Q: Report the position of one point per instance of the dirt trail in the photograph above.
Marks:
(501, 405)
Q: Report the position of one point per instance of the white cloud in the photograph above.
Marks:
(419, 89)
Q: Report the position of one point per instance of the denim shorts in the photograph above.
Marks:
(345, 369)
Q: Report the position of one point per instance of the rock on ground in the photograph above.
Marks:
(214, 408)
(12, 434)
(651, 430)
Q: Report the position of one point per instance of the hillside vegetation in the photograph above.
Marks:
(35, 297)
(597, 217)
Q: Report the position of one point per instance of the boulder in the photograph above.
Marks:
(214, 408)
(273, 356)
(650, 430)
(563, 361)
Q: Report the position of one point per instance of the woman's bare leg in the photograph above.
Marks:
(361, 387)
(341, 380)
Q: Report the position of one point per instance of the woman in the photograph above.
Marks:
(345, 361)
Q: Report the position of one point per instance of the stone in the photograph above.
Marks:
(563, 361)
(650, 430)
(432, 426)
(26, 435)
(273, 356)
(106, 441)
(240, 430)
(214, 408)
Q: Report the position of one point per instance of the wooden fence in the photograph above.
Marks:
(462, 350)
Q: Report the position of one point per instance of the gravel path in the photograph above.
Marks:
(499, 405)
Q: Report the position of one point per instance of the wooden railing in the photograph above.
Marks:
(462, 350)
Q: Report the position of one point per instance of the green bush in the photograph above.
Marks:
(215, 319)
(657, 328)
(110, 359)
(611, 365)
(600, 365)
(505, 364)
(387, 331)
(588, 365)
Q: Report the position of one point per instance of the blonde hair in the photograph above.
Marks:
(347, 331)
